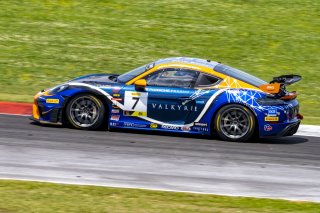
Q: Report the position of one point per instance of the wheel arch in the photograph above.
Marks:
(96, 94)
(213, 125)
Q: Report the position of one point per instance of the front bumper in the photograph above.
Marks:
(45, 111)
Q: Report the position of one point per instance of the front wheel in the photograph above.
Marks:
(235, 123)
(85, 111)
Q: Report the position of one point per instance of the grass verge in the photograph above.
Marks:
(44, 43)
(25, 196)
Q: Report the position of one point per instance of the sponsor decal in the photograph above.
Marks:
(149, 66)
(136, 94)
(114, 124)
(115, 106)
(200, 129)
(116, 89)
(134, 113)
(115, 111)
(270, 87)
(267, 127)
(135, 103)
(195, 95)
(174, 107)
(153, 126)
(116, 99)
(115, 117)
(185, 128)
(128, 124)
(52, 101)
(168, 90)
(272, 112)
(98, 84)
(271, 119)
(200, 102)
(200, 124)
(170, 127)
(116, 95)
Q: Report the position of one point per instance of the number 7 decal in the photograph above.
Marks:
(135, 103)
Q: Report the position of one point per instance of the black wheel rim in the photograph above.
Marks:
(84, 111)
(235, 123)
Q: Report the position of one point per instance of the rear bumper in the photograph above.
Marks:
(290, 129)
(282, 130)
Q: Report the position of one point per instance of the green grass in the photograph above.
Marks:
(23, 196)
(44, 42)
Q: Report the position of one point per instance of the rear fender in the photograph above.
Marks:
(236, 96)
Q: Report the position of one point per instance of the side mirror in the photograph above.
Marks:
(140, 85)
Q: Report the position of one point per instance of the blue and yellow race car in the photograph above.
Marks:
(180, 94)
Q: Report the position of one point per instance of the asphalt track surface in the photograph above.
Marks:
(286, 168)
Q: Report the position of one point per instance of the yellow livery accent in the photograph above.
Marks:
(271, 119)
(136, 94)
(35, 109)
(136, 113)
(177, 65)
(153, 126)
(227, 81)
(52, 101)
(218, 121)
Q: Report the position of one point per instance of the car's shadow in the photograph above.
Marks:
(290, 140)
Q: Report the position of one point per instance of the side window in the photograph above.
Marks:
(173, 77)
(206, 80)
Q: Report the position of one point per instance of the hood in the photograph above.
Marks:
(96, 79)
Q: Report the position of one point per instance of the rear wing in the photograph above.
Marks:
(286, 79)
(277, 87)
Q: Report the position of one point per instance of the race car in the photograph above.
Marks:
(181, 94)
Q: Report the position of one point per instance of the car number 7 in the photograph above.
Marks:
(137, 100)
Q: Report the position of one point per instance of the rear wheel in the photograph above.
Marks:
(85, 111)
(235, 123)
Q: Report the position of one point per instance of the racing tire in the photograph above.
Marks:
(85, 111)
(235, 123)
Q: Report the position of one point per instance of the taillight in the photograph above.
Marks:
(289, 96)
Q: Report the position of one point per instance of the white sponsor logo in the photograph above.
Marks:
(115, 117)
(174, 107)
(113, 124)
(200, 129)
(170, 127)
(185, 128)
(134, 125)
(200, 124)
(115, 111)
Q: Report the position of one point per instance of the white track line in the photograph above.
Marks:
(150, 188)
(15, 114)
(304, 130)
(309, 130)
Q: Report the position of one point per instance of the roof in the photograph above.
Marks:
(196, 61)
(218, 67)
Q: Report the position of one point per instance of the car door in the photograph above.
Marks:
(170, 98)
(167, 98)
(170, 93)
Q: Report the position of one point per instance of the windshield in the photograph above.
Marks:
(238, 74)
(131, 74)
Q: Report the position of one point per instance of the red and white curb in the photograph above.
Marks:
(25, 109)
(12, 108)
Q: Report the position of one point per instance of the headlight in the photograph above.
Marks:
(57, 89)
